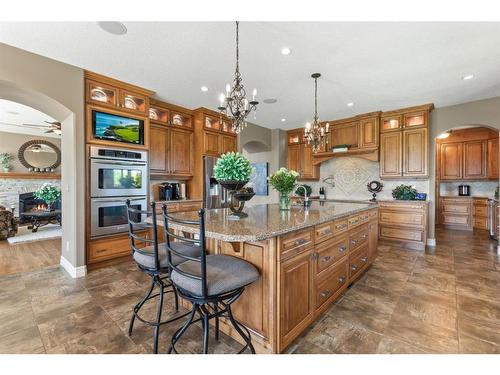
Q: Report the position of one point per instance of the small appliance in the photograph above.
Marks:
(169, 191)
(464, 190)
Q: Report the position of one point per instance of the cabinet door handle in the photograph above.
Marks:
(364, 259)
(299, 242)
(354, 242)
(365, 236)
(341, 279)
(342, 249)
(325, 293)
(354, 267)
(326, 258)
(325, 232)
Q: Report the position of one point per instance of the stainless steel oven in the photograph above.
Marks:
(118, 172)
(109, 215)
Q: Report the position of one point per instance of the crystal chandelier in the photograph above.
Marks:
(316, 133)
(234, 103)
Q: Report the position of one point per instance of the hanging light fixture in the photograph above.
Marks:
(234, 103)
(316, 133)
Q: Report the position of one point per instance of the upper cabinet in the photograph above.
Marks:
(468, 154)
(214, 134)
(300, 156)
(404, 143)
(107, 92)
(169, 114)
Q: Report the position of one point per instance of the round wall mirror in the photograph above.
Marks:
(40, 156)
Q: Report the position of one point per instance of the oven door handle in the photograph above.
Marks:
(132, 199)
(126, 163)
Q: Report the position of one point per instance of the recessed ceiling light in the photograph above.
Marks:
(350, 104)
(112, 27)
(467, 77)
(283, 119)
(270, 100)
(13, 113)
(204, 88)
(286, 51)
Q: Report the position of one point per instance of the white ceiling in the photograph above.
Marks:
(13, 115)
(378, 66)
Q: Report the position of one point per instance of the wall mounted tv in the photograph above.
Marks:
(117, 128)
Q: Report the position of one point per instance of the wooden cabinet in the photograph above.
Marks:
(296, 296)
(211, 143)
(415, 143)
(480, 213)
(108, 248)
(404, 143)
(369, 133)
(451, 161)
(300, 157)
(404, 222)
(108, 92)
(170, 114)
(345, 134)
(493, 159)
(475, 162)
(171, 151)
(390, 155)
(228, 144)
(456, 212)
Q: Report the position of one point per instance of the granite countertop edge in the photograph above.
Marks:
(266, 235)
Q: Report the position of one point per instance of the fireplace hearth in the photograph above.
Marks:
(28, 203)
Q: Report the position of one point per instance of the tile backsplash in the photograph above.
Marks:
(351, 175)
(477, 188)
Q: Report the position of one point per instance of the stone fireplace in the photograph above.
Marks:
(28, 202)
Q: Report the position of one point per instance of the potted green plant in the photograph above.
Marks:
(5, 159)
(233, 171)
(284, 182)
(404, 192)
(48, 193)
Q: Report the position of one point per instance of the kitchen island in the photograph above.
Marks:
(306, 259)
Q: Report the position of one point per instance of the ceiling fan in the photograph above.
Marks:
(53, 127)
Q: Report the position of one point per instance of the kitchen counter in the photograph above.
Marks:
(267, 220)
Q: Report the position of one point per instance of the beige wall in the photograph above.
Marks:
(11, 142)
(482, 113)
(56, 89)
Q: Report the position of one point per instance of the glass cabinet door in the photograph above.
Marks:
(180, 119)
(159, 114)
(133, 102)
(412, 120)
(102, 94)
(212, 123)
(391, 123)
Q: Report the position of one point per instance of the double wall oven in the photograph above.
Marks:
(115, 176)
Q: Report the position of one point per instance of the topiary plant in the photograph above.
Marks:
(232, 166)
(404, 192)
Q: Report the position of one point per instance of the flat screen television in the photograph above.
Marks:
(117, 128)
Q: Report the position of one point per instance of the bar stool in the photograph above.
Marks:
(212, 283)
(151, 258)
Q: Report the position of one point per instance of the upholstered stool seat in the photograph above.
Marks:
(224, 274)
(145, 256)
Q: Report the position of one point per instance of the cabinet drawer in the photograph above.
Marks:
(353, 221)
(399, 206)
(364, 217)
(189, 206)
(481, 211)
(481, 222)
(404, 234)
(328, 286)
(358, 238)
(463, 200)
(296, 242)
(108, 248)
(329, 252)
(340, 226)
(401, 218)
(357, 262)
(462, 220)
(456, 208)
(323, 232)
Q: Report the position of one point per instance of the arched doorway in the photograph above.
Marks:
(71, 245)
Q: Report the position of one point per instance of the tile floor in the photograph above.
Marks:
(445, 300)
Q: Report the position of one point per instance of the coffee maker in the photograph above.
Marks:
(169, 191)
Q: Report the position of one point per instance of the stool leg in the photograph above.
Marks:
(205, 332)
(183, 329)
(138, 307)
(247, 337)
(158, 319)
(176, 298)
(216, 308)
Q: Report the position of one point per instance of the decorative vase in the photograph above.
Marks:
(285, 201)
(237, 199)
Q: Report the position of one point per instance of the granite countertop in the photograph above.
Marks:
(266, 220)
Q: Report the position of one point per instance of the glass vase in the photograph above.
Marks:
(285, 201)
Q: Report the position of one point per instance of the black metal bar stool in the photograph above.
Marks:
(212, 283)
(151, 258)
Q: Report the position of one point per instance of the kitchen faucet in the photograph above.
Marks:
(306, 198)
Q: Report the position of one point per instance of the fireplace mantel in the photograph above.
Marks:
(32, 175)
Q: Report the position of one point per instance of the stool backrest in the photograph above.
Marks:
(171, 236)
(139, 232)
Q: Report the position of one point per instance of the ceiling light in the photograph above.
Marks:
(286, 51)
(283, 119)
(204, 88)
(270, 100)
(13, 113)
(444, 135)
(467, 77)
(112, 27)
(316, 133)
(350, 104)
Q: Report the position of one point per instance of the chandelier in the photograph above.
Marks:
(316, 133)
(234, 103)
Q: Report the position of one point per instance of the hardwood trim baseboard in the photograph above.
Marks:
(74, 272)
